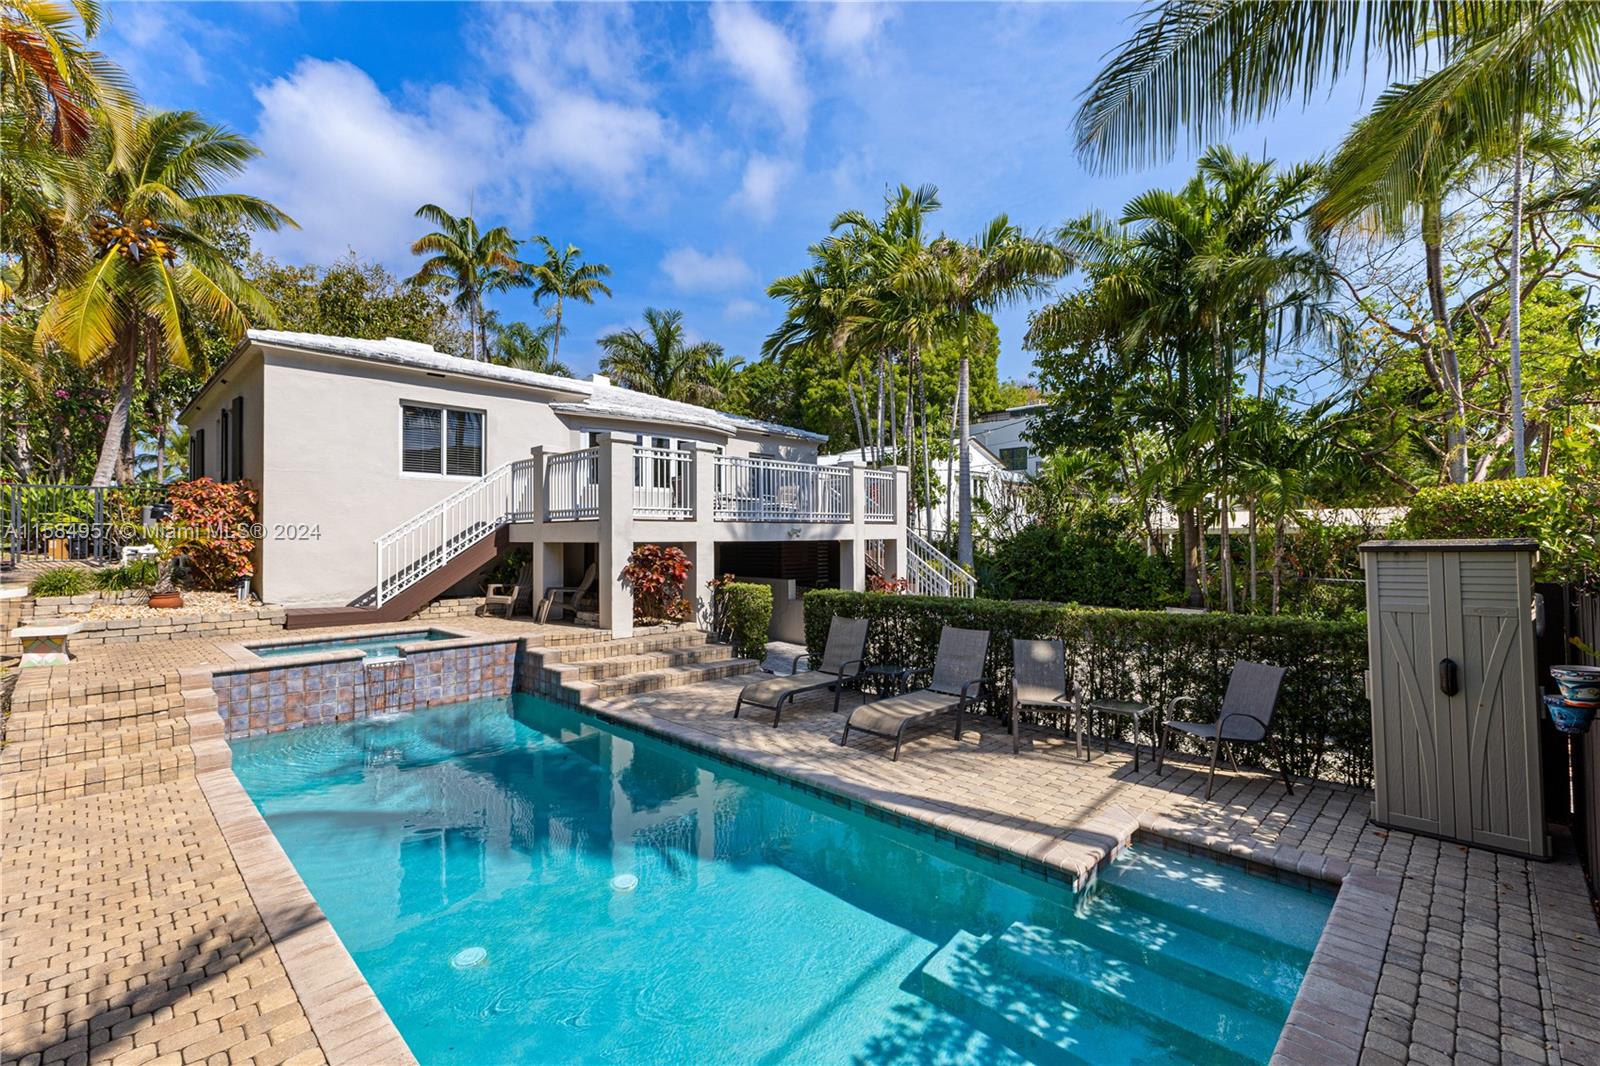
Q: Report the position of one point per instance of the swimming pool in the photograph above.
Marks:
(521, 883)
(375, 645)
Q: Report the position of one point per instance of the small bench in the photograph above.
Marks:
(45, 645)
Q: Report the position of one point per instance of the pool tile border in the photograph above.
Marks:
(345, 1014)
(1328, 1020)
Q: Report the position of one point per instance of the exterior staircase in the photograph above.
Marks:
(66, 741)
(933, 573)
(601, 668)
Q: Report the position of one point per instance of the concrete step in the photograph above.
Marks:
(51, 784)
(560, 673)
(608, 649)
(89, 745)
(656, 680)
(61, 719)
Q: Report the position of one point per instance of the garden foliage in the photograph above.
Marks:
(744, 609)
(215, 522)
(61, 581)
(1563, 518)
(656, 575)
(1323, 722)
(1091, 557)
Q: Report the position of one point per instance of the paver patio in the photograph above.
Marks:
(130, 934)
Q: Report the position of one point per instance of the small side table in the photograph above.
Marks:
(1140, 713)
(886, 680)
(45, 644)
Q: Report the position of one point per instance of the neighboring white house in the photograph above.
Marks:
(1002, 433)
(998, 500)
(391, 473)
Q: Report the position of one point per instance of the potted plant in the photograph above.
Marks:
(170, 547)
(1573, 711)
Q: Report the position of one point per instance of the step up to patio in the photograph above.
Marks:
(60, 718)
(613, 666)
(596, 670)
(67, 780)
(88, 745)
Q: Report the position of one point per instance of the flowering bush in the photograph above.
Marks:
(879, 583)
(656, 576)
(215, 522)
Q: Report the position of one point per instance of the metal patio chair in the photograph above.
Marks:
(1245, 716)
(1039, 679)
(956, 682)
(842, 662)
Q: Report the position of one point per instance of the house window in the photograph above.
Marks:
(441, 440)
(1014, 458)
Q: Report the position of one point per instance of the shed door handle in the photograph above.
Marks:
(1449, 677)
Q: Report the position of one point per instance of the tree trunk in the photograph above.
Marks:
(1449, 368)
(927, 450)
(111, 446)
(1188, 524)
(555, 344)
(1277, 561)
(1519, 441)
(878, 430)
(964, 444)
(1225, 565)
(1253, 571)
(950, 468)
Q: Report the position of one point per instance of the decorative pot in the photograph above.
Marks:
(1567, 717)
(1578, 684)
(166, 599)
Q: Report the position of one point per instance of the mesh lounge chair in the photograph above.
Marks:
(564, 598)
(841, 663)
(1244, 718)
(957, 681)
(1039, 679)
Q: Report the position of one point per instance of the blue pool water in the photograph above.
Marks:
(635, 903)
(377, 646)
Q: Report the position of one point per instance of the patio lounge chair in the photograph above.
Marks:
(497, 595)
(841, 663)
(1039, 679)
(957, 681)
(564, 598)
(1245, 716)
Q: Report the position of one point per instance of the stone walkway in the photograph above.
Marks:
(128, 933)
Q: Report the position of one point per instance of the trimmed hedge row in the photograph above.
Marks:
(1322, 727)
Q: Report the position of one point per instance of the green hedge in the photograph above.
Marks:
(746, 612)
(1323, 722)
(1563, 518)
(1095, 561)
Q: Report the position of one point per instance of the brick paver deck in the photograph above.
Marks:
(129, 933)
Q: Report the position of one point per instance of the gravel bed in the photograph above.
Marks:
(193, 603)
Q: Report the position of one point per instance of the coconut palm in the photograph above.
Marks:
(999, 266)
(565, 276)
(528, 347)
(157, 273)
(474, 263)
(658, 360)
(722, 378)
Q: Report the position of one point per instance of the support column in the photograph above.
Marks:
(703, 541)
(616, 533)
(853, 552)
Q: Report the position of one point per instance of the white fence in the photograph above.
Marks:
(420, 545)
(772, 490)
(878, 488)
(663, 483)
(572, 486)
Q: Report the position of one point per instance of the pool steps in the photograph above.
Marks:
(1072, 996)
(602, 669)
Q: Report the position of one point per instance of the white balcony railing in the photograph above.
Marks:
(772, 490)
(877, 486)
(663, 483)
(572, 486)
(420, 545)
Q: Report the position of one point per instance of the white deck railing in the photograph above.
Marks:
(773, 490)
(933, 573)
(420, 545)
(663, 483)
(572, 486)
(878, 488)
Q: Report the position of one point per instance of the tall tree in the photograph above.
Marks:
(565, 276)
(475, 263)
(658, 360)
(824, 305)
(526, 347)
(158, 272)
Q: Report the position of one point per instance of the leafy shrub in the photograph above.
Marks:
(1095, 557)
(141, 573)
(213, 521)
(1564, 519)
(61, 581)
(878, 583)
(1323, 723)
(745, 610)
(656, 575)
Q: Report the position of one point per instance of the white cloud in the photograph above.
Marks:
(765, 58)
(170, 33)
(848, 27)
(764, 178)
(738, 310)
(584, 135)
(351, 166)
(691, 270)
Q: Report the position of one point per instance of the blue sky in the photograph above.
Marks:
(697, 149)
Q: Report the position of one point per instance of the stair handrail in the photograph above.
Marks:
(433, 536)
(933, 573)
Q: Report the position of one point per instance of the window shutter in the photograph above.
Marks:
(197, 454)
(420, 443)
(465, 454)
(238, 438)
(223, 468)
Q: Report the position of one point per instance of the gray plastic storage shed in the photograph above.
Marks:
(1454, 691)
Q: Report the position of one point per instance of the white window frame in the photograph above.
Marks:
(444, 442)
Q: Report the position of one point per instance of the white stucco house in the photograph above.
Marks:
(1001, 432)
(391, 473)
(998, 493)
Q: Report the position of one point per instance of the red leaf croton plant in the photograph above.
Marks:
(657, 575)
(215, 522)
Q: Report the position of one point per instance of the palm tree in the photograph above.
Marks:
(157, 272)
(527, 347)
(473, 263)
(824, 305)
(1206, 66)
(722, 378)
(999, 266)
(564, 275)
(657, 360)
